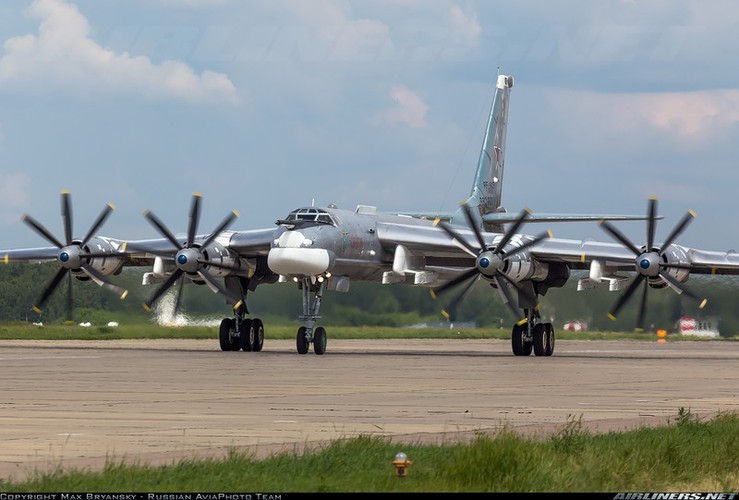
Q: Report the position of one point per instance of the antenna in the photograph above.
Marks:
(313, 202)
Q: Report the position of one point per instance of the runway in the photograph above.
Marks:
(75, 403)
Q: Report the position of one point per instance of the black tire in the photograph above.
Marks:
(527, 346)
(517, 341)
(258, 342)
(301, 341)
(224, 334)
(246, 335)
(549, 328)
(540, 340)
(319, 340)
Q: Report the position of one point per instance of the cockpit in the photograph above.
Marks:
(303, 216)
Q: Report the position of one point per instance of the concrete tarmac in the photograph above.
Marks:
(80, 403)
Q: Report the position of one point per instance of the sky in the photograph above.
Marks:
(265, 106)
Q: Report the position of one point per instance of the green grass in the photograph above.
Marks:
(686, 455)
(26, 331)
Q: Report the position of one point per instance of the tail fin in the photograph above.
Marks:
(488, 185)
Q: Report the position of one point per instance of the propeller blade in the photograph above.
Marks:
(651, 223)
(227, 221)
(154, 220)
(618, 235)
(512, 230)
(162, 289)
(67, 216)
(103, 281)
(70, 299)
(454, 282)
(527, 295)
(214, 284)
(194, 218)
(178, 300)
(642, 309)
(458, 239)
(53, 284)
(682, 289)
(471, 221)
(451, 311)
(507, 297)
(218, 265)
(40, 229)
(529, 244)
(626, 295)
(98, 223)
(679, 228)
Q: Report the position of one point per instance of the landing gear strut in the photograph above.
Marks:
(532, 335)
(312, 295)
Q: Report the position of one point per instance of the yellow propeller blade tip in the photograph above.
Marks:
(433, 294)
(123, 247)
(110, 204)
(146, 212)
(436, 221)
(66, 191)
(703, 304)
(611, 317)
(37, 309)
(692, 213)
(236, 213)
(124, 294)
(6, 259)
(251, 272)
(550, 233)
(653, 198)
(445, 314)
(528, 210)
(582, 258)
(198, 194)
(147, 308)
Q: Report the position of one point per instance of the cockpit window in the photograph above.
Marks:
(310, 215)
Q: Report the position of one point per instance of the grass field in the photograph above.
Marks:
(686, 455)
(282, 331)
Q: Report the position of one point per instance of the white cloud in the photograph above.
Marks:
(13, 195)
(63, 55)
(410, 110)
(465, 26)
(694, 118)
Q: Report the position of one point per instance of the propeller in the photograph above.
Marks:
(72, 255)
(490, 263)
(650, 262)
(188, 256)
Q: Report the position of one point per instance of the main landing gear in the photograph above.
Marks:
(241, 333)
(533, 335)
(312, 294)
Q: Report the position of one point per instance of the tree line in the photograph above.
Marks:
(21, 286)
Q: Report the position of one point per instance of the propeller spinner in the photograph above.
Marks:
(490, 262)
(650, 262)
(72, 255)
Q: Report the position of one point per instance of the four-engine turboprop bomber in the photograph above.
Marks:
(322, 249)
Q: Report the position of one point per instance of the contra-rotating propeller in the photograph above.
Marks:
(490, 263)
(72, 255)
(651, 262)
(189, 256)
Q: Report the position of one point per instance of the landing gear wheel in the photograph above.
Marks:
(224, 334)
(542, 340)
(549, 330)
(246, 335)
(319, 340)
(258, 341)
(302, 342)
(519, 344)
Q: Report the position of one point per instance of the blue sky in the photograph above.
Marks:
(264, 106)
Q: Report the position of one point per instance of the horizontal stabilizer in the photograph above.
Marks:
(504, 218)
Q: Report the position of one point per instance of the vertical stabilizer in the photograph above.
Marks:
(488, 185)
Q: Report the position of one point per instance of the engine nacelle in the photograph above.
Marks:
(521, 266)
(219, 254)
(675, 255)
(104, 265)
